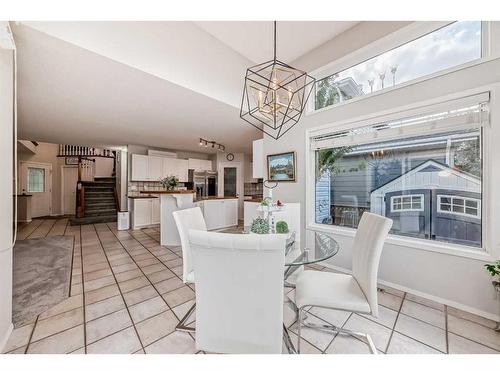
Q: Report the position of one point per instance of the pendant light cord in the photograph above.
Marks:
(275, 40)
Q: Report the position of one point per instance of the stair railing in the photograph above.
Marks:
(86, 169)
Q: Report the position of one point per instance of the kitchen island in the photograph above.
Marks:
(219, 212)
(171, 201)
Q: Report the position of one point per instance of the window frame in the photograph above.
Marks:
(465, 199)
(411, 196)
(488, 251)
(387, 43)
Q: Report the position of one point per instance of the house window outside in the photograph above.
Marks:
(449, 46)
(457, 205)
(401, 179)
(402, 203)
(36, 180)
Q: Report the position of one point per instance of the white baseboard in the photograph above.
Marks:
(5, 337)
(444, 301)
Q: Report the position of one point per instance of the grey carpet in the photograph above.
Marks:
(42, 275)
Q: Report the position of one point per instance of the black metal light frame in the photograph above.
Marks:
(290, 117)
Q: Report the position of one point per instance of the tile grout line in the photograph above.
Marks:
(119, 288)
(395, 322)
(337, 334)
(83, 293)
(154, 286)
(31, 335)
(446, 329)
(30, 233)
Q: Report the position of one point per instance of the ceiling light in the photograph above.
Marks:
(275, 95)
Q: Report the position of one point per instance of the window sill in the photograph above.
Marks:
(415, 81)
(425, 245)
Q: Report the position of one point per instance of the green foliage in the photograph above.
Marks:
(281, 227)
(467, 157)
(169, 182)
(326, 160)
(260, 226)
(493, 269)
(328, 92)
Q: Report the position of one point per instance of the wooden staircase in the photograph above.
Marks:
(99, 202)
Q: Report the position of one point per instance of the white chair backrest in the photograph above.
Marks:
(239, 291)
(191, 218)
(367, 248)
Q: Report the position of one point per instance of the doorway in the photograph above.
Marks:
(69, 179)
(36, 180)
(230, 182)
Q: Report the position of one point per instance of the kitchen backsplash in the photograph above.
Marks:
(135, 187)
(253, 188)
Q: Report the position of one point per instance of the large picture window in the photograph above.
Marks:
(449, 46)
(430, 185)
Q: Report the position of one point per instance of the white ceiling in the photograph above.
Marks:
(162, 84)
(254, 39)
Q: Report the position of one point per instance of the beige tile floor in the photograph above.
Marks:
(127, 296)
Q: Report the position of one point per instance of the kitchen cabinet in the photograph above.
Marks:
(220, 213)
(199, 165)
(144, 212)
(140, 167)
(258, 164)
(155, 211)
(155, 168)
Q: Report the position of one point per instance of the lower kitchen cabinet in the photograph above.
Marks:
(220, 213)
(144, 212)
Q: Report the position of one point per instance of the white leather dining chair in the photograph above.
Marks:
(356, 292)
(191, 218)
(239, 291)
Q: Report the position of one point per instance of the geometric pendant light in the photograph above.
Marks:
(275, 95)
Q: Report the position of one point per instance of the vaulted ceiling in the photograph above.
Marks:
(161, 84)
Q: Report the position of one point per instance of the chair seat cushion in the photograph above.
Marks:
(330, 290)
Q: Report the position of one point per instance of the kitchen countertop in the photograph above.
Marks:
(213, 198)
(142, 196)
(167, 192)
(254, 200)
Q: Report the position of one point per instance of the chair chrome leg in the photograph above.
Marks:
(182, 325)
(299, 324)
(331, 327)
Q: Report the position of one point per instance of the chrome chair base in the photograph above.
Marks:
(302, 316)
(182, 325)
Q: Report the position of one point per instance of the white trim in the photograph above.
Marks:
(490, 249)
(451, 212)
(415, 244)
(444, 301)
(5, 338)
(411, 203)
(389, 42)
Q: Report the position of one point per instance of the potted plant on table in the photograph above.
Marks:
(170, 182)
(494, 271)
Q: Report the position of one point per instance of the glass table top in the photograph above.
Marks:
(325, 248)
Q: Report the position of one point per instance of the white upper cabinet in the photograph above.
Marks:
(140, 168)
(258, 159)
(199, 165)
(182, 169)
(155, 168)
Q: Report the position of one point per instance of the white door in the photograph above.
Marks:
(69, 181)
(226, 177)
(36, 180)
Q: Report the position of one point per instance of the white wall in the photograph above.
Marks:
(6, 201)
(455, 280)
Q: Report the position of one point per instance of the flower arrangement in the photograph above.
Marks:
(260, 226)
(169, 182)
